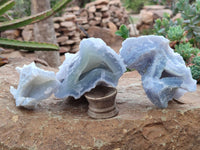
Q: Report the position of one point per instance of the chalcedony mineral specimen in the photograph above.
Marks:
(94, 64)
(164, 74)
(35, 84)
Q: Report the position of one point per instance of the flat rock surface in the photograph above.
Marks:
(64, 124)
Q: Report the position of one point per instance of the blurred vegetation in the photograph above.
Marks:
(22, 8)
(123, 32)
(136, 5)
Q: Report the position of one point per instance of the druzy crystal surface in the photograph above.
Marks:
(35, 84)
(164, 74)
(94, 64)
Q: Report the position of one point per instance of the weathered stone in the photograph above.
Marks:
(76, 39)
(91, 16)
(72, 28)
(71, 33)
(115, 2)
(105, 20)
(84, 13)
(96, 3)
(69, 42)
(12, 54)
(58, 34)
(113, 8)
(97, 18)
(28, 27)
(94, 22)
(116, 20)
(86, 26)
(92, 9)
(160, 13)
(98, 7)
(75, 48)
(69, 17)
(104, 8)
(139, 125)
(119, 14)
(58, 19)
(56, 26)
(11, 34)
(133, 30)
(62, 39)
(77, 34)
(112, 27)
(67, 24)
(27, 35)
(146, 16)
(20, 39)
(98, 14)
(82, 20)
(143, 27)
(102, 33)
(75, 8)
(105, 15)
(154, 7)
(64, 49)
(101, 2)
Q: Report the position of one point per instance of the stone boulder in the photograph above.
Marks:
(105, 34)
(149, 14)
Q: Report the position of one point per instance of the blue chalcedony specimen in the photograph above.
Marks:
(94, 64)
(164, 74)
(35, 84)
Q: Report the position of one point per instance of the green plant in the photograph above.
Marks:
(195, 68)
(133, 5)
(175, 33)
(22, 8)
(123, 32)
(191, 16)
(12, 24)
(186, 51)
(166, 27)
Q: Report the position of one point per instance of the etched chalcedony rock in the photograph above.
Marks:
(164, 74)
(35, 84)
(94, 64)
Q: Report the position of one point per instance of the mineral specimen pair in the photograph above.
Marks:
(164, 74)
(94, 64)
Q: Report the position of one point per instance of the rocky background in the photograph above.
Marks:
(77, 23)
(101, 18)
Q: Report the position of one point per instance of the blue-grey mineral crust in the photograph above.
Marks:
(164, 74)
(94, 64)
(35, 84)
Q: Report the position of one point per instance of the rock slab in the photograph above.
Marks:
(64, 124)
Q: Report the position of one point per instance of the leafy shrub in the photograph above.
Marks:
(134, 5)
(22, 8)
(175, 33)
(123, 32)
(195, 68)
(186, 51)
(166, 27)
(191, 16)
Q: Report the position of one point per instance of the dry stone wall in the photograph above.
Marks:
(73, 25)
